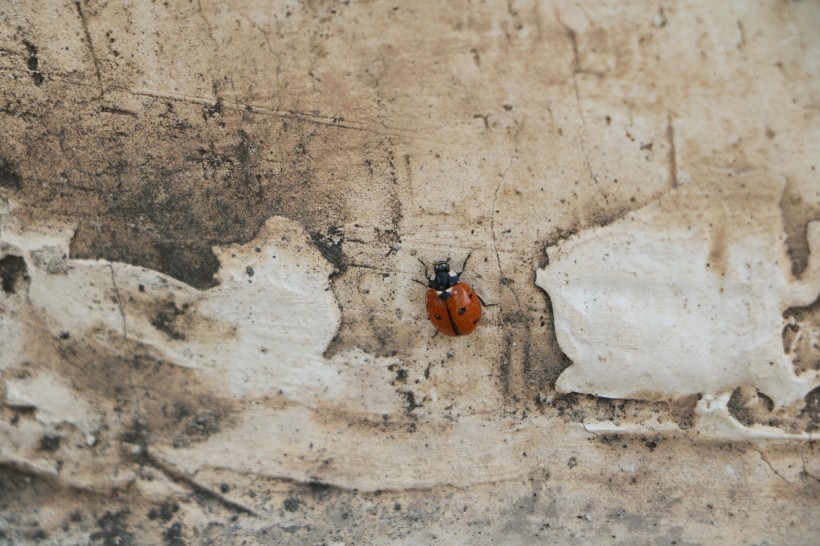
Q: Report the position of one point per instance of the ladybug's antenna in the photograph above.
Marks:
(426, 275)
(464, 265)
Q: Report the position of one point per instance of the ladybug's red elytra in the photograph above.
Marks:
(453, 306)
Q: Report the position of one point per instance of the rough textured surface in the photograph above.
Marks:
(211, 213)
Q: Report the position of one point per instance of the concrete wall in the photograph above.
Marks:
(211, 216)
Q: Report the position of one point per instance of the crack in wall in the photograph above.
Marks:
(278, 56)
(576, 69)
(670, 140)
(94, 59)
(335, 121)
(502, 177)
(179, 476)
(772, 468)
(119, 302)
(208, 25)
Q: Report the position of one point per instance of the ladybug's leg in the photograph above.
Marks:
(426, 273)
(484, 303)
(421, 283)
(464, 265)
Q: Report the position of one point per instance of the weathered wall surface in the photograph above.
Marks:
(211, 214)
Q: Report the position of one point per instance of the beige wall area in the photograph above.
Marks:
(212, 215)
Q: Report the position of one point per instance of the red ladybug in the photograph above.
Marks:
(453, 306)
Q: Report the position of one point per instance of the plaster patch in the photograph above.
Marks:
(683, 296)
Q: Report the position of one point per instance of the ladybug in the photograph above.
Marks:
(453, 306)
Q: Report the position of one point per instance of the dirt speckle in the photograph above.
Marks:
(50, 443)
(173, 535)
(411, 403)
(9, 178)
(717, 250)
(165, 319)
(113, 530)
(13, 273)
(166, 511)
(504, 365)
(203, 424)
(198, 428)
(33, 63)
(651, 444)
(330, 245)
(797, 212)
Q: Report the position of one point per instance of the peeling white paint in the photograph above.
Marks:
(683, 296)
(262, 331)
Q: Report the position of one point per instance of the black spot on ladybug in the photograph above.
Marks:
(471, 294)
(438, 317)
(462, 310)
(475, 321)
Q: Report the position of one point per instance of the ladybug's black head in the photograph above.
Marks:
(442, 278)
(441, 267)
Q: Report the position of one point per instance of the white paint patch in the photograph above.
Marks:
(683, 296)
(256, 335)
